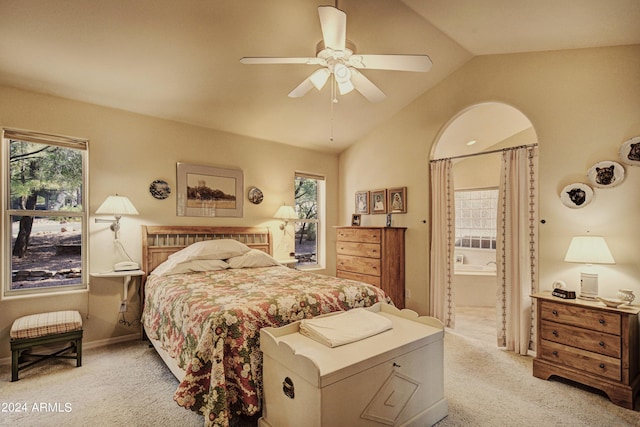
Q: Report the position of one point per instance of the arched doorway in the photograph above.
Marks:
(474, 142)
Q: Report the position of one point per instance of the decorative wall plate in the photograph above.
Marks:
(160, 189)
(606, 174)
(255, 195)
(577, 195)
(630, 151)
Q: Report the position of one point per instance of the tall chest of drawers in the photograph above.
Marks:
(589, 343)
(373, 255)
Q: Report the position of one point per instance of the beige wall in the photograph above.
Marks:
(582, 103)
(484, 171)
(129, 151)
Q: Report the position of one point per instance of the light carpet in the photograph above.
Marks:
(127, 384)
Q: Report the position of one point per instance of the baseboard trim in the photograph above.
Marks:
(91, 345)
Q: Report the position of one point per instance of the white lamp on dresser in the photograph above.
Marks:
(589, 250)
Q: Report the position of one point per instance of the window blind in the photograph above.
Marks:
(45, 138)
(309, 175)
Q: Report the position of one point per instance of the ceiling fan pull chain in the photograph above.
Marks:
(333, 94)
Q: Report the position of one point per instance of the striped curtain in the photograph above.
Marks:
(517, 249)
(441, 303)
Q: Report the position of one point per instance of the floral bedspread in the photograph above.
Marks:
(210, 323)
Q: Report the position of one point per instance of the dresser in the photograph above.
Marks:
(373, 255)
(589, 343)
(395, 378)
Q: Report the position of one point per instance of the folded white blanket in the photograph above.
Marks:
(344, 328)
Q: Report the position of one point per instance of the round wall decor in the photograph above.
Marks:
(255, 195)
(160, 189)
(630, 151)
(576, 195)
(606, 174)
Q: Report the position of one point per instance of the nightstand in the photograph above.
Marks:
(289, 262)
(126, 278)
(589, 343)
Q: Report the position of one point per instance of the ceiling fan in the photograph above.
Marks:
(339, 59)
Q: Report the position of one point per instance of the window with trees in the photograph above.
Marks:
(309, 205)
(44, 212)
(476, 216)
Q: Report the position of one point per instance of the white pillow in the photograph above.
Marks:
(170, 267)
(211, 249)
(253, 258)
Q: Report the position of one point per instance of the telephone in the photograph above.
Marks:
(126, 266)
(559, 284)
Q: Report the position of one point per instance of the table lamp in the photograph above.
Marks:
(589, 250)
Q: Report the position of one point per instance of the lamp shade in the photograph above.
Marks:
(589, 250)
(117, 205)
(286, 212)
(319, 77)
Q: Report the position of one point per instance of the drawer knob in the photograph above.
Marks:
(602, 366)
(601, 344)
(601, 321)
(555, 312)
(555, 353)
(555, 333)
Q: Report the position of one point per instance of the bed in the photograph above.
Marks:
(204, 319)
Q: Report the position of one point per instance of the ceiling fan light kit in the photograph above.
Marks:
(338, 57)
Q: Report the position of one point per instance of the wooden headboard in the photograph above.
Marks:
(160, 241)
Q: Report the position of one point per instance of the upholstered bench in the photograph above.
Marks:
(42, 329)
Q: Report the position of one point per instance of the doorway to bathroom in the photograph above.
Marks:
(474, 142)
(475, 282)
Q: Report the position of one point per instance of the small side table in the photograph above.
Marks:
(289, 262)
(126, 278)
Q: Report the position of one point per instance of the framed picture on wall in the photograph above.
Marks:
(397, 199)
(379, 201)
(362, 202)
(209, 191)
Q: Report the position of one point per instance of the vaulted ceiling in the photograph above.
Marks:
(179, 60)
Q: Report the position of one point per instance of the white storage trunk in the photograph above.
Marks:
(394, 378)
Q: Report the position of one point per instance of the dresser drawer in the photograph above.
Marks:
(582, 360)
(369, 250)
(582, 317)
(585, 339)
(372, 280)
(365, 235)
(355, 264)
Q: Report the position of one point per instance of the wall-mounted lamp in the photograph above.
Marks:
(589, 250)
(286, 213)
(116, 206)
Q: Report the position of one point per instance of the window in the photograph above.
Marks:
(44, 213)
(309, 205)
(476, 216)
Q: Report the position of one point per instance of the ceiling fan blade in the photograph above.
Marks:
(420, 63)
(365, 87)
(270, 60)
(334, 27)
(301, 89)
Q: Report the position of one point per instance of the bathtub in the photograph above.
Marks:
(475, 285)
(474, 270)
